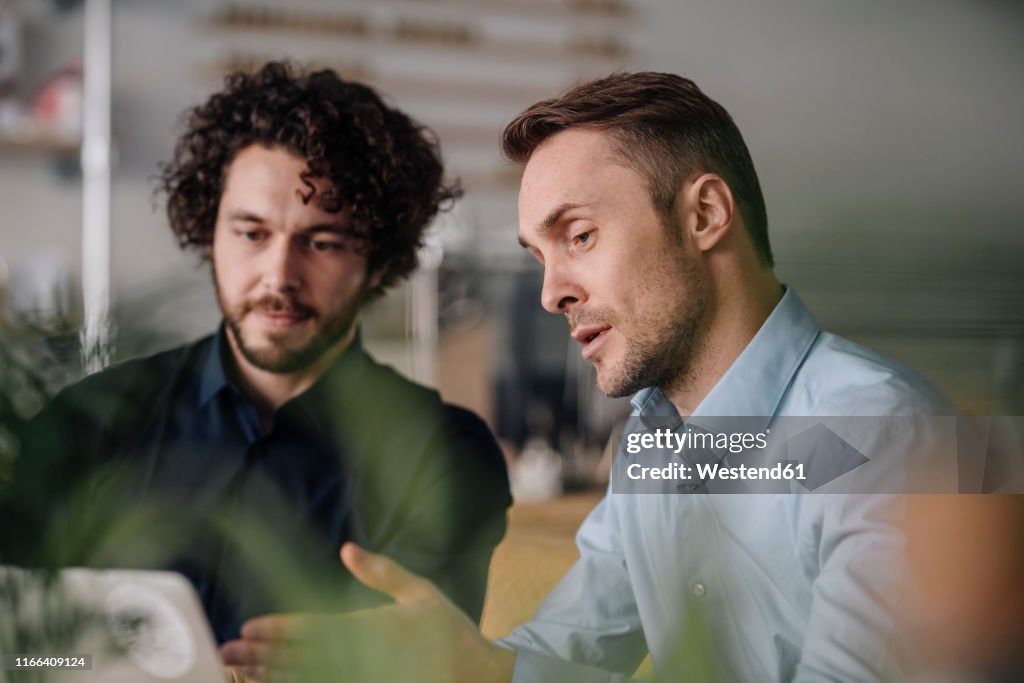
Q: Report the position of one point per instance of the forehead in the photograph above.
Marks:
(270, 178)
(574, 167)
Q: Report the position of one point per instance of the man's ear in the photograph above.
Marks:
(374, 278)
(712, 208)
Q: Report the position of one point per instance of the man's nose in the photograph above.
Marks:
(281, 267)
(561, 289)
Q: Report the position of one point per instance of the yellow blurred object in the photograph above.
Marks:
(537, 551)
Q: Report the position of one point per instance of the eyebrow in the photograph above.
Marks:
(338, 228)
(549, 221)
(245, 217)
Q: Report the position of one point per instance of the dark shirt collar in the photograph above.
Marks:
(213, 377)
(213, 369)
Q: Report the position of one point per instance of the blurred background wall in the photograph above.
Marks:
(887, 137)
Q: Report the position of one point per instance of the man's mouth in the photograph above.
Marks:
(279, 318)
(281, 315)
(592, 337)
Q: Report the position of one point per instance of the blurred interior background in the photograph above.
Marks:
(887, 137)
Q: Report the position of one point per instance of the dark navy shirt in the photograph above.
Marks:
(255, 519)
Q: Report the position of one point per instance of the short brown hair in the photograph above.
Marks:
(664, 126)
(381, 163)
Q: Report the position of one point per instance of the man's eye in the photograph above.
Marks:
(252, 235)
(582, 238)
(325, 245)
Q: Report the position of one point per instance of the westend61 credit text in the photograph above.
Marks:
(713, 471)
(668, 440)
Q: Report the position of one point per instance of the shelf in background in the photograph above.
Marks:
(39, 144)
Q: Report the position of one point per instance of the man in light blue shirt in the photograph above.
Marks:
(641, 201)
(789, 587)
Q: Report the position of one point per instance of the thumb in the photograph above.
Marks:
(383, 574)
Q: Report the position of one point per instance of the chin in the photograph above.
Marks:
(284, 341)
(609, 386)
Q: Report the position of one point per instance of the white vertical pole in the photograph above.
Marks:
(96, 184)
(424, 314)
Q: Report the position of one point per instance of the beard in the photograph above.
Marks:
(663, 362)
(661, 349)
(277, 356)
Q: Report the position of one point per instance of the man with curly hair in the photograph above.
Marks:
(278, 436)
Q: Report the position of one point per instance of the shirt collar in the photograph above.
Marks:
(759, 377)
(212, 374)
(214, 377)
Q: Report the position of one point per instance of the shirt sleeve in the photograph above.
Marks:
(453, 513)
(859, 596)
(532, 667)
(851, 633)
(474, 495)
(588, 628)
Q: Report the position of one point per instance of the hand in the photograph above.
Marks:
(421, 638)
(235, 675)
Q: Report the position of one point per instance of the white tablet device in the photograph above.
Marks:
(114, 626)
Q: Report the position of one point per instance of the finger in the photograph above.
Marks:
(247, 674)
(261, 660)
(245, 653)
(235, 675)
(253, 674)
(275, 627)
(387, 576)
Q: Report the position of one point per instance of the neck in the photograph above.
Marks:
(267, 390)
(740, 305)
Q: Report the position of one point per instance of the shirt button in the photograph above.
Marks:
(699, 590)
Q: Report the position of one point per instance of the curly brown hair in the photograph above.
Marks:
(381, 163)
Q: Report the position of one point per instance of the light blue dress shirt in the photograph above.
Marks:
(761, 587)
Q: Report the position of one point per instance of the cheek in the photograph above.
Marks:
(229, 273)
(350, 275)
(330, 288)
(636, 297)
